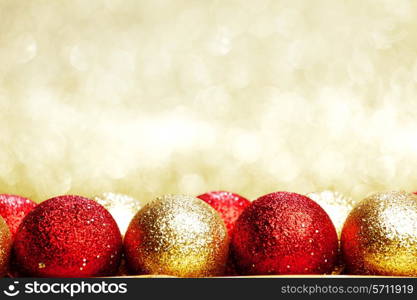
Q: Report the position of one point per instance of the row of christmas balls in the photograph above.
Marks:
(279, 233)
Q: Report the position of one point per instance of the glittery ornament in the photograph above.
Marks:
(380, 235)
(13, 209)
(122, 207)
(177, 235)
(336, 205)
(68, 236)
(5, 244)
(284, 233)
(229, 206)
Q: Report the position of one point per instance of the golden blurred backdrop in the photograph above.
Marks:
(157, 96)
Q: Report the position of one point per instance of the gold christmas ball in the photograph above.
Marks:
(177, 235)
(380, 235)
(122, 207)
(5, 246)
(336, 205)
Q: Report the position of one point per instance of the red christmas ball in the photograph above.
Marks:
(284, 233)
(228, 205)
(68, 236)
(13, 209)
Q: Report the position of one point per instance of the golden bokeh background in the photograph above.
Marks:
(158, 96)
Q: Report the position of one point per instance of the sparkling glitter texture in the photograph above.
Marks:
(177, 235)
(122, 207)
(228, 205)
(5, 245)
(68, 236)
(380, 235)
(284, 233)
(13, 209)
(336, 205)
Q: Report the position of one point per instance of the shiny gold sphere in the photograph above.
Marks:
(337, 206)
(5, 245)
(380, 235)
(122, 207)
(177, 235)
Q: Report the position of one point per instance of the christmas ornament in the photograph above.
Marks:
(336, 205)
(229, 206)
(284, 233)
(68, 236)
(177, 235)
(5, 244)
(122, 208)
(380, 235)
(13, 209)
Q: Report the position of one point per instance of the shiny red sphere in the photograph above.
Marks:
(13, 209)
(67, 236)
(228, 205)
(284, 233)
